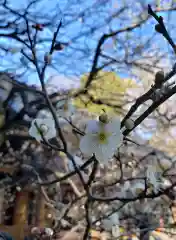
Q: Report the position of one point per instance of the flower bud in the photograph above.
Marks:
(158, 28)
(58, 46)
(104, 118)
(129, 124)
(159, 78)
(38, 27)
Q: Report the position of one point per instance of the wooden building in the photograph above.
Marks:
(27, 210)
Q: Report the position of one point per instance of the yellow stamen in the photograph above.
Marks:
(102, 137)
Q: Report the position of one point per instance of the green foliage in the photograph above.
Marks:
(107, 87)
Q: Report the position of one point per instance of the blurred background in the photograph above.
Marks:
(117, 42)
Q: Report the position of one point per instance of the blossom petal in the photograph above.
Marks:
(115, 218)
(115, 231)
(107, 224)
(103, 153)
(44, 114)
(92, 127)
(113, 126)
(115, 141)
(34, 133)
(49, 122)
(88, 144)
(71, 108)
(60, 108)
(51, 134)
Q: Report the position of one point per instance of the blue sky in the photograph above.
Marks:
(76, 59)
(71, 62)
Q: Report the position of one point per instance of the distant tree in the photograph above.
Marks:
(107, 91)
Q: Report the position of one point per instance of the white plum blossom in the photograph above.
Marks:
(153, 178)
(112, 223)
(125, 189)
(116, 225)
(64, 108)
(115, 218)
(101, 139)
(46, 126)
(115, 231)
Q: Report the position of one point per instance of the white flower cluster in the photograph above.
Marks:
(102, 137)
(44, 124)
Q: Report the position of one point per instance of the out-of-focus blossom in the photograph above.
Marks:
(44, 114)
(45, 127)
(153, 178)
(65, 108)
(112, 223)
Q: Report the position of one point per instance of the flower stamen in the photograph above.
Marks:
(44, 129)
(102, 137)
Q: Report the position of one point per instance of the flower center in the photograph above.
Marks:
(44, 129)
(102, 137)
